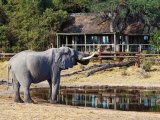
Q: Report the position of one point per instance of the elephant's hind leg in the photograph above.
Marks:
(27, 97)
(17, 97)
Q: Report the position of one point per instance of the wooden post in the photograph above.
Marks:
(62, 98)
(115, 104)
(122, 47)
(85, 99)
(57, 41)
(138, 60)
(73, 44)
(126, 42)
(115, 42)
(115, 45)
(93, 50)
(66, 40)
(140, 48)
(140, 100)
(66, 98)
(85, 41)
(127, 105)
(127, 47)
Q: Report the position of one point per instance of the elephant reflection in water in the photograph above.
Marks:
(29, 67)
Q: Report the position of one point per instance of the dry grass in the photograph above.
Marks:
(117, 76)
(113, 76)
(3, 69)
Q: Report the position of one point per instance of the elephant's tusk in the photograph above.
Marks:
(89, 57)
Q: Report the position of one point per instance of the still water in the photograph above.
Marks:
(125, 99)
(110, 102)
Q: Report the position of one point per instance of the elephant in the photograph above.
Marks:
(29, 67)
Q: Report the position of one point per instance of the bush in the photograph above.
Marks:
(146, 65)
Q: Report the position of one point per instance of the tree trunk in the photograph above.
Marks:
(81, 70)
(106, 66)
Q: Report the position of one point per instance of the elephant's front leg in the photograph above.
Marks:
(55, 91)
(55, 86)
(50, 88)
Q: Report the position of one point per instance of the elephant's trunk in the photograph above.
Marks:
(89, 57)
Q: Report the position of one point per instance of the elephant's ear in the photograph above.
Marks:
(64, 58)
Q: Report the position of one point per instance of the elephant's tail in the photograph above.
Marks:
(8, 70)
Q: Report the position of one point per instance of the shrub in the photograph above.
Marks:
(146, 65)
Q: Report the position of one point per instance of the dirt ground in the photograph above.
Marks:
(43, 110)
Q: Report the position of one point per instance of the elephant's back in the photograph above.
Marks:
(19, 55)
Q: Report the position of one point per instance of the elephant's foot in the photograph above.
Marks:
(28, 101)
(18, 100)
(53, 101)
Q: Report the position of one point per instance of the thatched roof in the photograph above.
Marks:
(86, 23)
(96, 23)
(135, 28)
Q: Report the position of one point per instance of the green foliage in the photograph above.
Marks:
(149, 8)
(3, 38)
(72, 6)
(30, 24)
(155, 40)
(103, 5)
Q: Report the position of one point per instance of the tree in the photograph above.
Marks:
(155, 40)
(72, 6)
(30, 24)
(130, 11)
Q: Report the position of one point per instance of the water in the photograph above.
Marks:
(110, 102)
(109, 98)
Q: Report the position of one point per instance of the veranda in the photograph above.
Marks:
(107, 42)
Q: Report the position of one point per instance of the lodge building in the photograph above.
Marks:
(87, 32)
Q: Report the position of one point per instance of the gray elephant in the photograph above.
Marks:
(29, 67)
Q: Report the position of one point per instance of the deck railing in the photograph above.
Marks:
(6, 55)
(110, 47)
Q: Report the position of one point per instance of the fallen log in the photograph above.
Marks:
(106, 66)
(81, 70)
